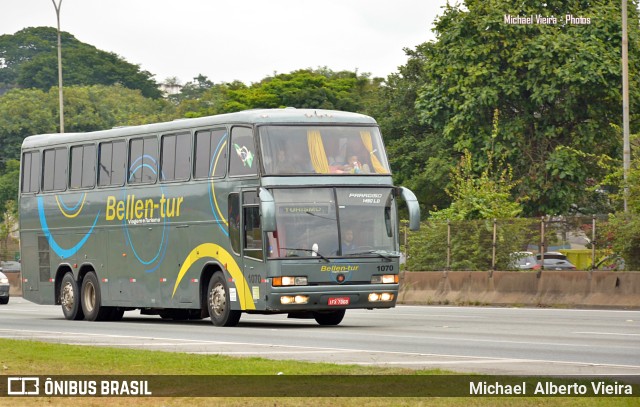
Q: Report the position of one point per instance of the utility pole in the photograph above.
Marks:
(626, 148)
(60, 97)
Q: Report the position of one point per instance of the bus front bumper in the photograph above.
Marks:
(314, 298)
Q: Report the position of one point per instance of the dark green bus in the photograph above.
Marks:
(263, 211)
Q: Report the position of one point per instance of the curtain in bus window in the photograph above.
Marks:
(377, 165)
(317, 153)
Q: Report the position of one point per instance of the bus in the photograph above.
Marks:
(275, 211)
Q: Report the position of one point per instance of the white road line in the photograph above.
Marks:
(306, 349)
(605, 333)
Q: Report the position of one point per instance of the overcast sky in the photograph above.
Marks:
(245, 40)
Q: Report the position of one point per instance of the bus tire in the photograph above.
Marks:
(91, 299)
(329, 318)
(218, 303)
(70, 298)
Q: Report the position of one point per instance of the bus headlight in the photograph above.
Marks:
(288, 281)
(385, 279)
(381, 297)
(290, 299)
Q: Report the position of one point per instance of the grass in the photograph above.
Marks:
(23, 358)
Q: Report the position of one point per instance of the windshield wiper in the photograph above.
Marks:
(308, 251)
(380, 253)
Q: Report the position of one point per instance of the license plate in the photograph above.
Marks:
(338, 301)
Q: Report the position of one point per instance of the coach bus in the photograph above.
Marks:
(262, 211)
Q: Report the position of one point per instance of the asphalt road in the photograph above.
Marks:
(465, 339)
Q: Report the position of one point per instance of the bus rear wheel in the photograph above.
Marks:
(329, 318)
(218, 303)
(70, 298)
(92, 300)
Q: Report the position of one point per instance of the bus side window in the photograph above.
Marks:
(143, 162)
(234, 221)
(83, 166)
(243, 160)
(175, 160)
(54, 176)
(111, 163)
(30, 171)
(210, 156)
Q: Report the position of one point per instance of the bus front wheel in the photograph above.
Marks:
(70, 298)
(218, 303)
(329, 318)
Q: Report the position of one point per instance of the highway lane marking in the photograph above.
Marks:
(308, 349)
(606, 333)
(436, 338)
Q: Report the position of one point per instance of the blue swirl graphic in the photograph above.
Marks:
(60, 251)
(162, 249)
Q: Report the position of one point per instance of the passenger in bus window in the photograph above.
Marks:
(354, 166)
(356, 148)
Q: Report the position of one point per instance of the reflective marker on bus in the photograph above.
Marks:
(265, 211)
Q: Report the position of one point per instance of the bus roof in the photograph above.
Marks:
(256, 116)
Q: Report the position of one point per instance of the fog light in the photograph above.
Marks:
(301, 299)
(386, 297)
(286, 299)
(374, 297)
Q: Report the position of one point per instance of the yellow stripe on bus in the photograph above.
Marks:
(214, 251)
(70, 216)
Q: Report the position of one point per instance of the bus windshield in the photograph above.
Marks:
(330, 222)
(322, 150)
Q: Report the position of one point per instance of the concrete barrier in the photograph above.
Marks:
(15, 283)
(607, 289)
(544, 288)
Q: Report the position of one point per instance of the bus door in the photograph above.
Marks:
(246, 236)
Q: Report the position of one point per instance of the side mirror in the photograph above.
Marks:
(267, 210)
(413, 206)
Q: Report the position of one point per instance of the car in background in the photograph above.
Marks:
(10, 266)
(555, 261)
(523, 261)
(4, 288)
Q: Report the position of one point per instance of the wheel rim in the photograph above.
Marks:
(218, 300)
(89, 295)
(67, 298)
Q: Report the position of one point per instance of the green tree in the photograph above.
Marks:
(24, 112)
(306, 88)
(419, 156)
(9, 187)
(487, 196)
(555, 85)
(30, 61)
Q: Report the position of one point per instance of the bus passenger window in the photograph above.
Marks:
(30, 171)
(143, 163)
(111, 163)
(210, 157)
(176, 157)
(83, 166)
(55, 170)
(243, 160)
